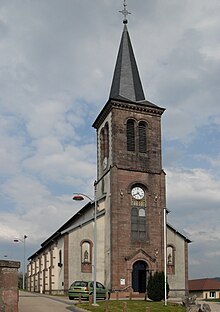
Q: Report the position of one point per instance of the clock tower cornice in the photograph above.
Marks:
(143, 107)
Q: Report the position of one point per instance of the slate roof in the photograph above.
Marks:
(204, 284)
(178, 233)
(68, 226)
(56, 235)
(126, 81)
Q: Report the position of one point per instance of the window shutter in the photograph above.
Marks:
(130, 136)
(142, 137)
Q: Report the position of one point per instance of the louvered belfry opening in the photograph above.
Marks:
(130, 135)
(142, 137)
(138, 224)
(104, 141)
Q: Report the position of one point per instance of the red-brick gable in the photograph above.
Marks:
(204, 284)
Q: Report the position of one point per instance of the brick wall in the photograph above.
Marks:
(122, 246)
(128, 168)
(9, 286)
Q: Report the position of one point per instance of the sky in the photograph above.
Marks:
(56, 62)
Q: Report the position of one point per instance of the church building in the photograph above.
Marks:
(128, 212)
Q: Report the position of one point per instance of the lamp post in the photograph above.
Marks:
(79, 197)
(165, 254)
(17, 240)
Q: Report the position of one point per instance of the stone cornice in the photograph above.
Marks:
(143, 107)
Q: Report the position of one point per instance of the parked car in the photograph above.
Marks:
(85, 288)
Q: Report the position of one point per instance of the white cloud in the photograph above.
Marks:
(194, 200)
(197, 184)
(213, 161)
(57, 61)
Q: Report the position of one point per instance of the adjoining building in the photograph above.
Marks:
(205, 288)
(131, 201)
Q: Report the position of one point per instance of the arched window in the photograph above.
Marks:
(86, 256)
(138, 224)
(131, 135)
(142, 133)
(170, 259)
(134, 223)
(106, 140)
(86, 252)
(104, 143)
(142, 224)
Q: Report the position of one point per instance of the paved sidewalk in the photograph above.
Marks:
(35, 302)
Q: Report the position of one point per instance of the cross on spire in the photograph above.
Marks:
(125, 12)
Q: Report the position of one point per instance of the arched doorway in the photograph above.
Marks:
(139, 276)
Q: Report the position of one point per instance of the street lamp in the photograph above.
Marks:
(17, 240)
(79, 197)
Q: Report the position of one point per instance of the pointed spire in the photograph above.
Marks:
(126, 81)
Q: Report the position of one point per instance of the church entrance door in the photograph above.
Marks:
(139, 276)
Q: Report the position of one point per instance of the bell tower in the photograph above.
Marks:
(130, 178)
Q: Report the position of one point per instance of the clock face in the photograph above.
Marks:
(137, 192)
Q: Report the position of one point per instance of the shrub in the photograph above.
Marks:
(156, 286)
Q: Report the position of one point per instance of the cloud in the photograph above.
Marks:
(193, 199)
(196, 183)
(35, 205)
(193, 195)
(57, 62)
(213, 162)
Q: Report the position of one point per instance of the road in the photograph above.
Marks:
(34, 302)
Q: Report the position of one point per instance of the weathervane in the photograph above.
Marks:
(125, 12)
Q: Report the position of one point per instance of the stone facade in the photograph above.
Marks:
(46, 273)
(55, 277)
(122, 171)
(9, 286)
(130, 230)
(123, 264)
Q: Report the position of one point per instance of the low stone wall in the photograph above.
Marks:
(9, 285)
